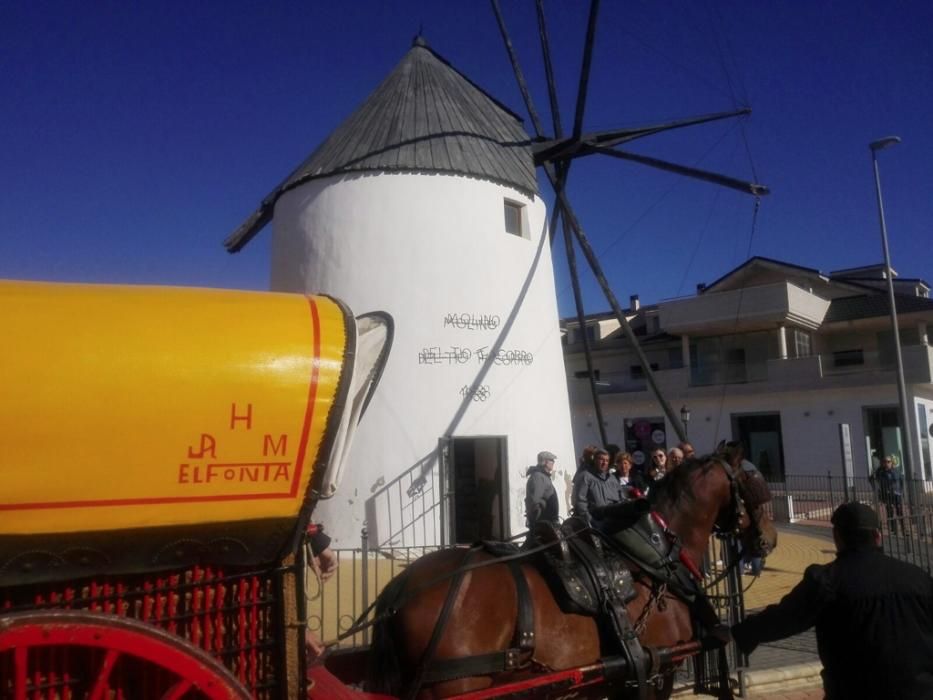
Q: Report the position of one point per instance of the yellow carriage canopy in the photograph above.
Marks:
(162, 425)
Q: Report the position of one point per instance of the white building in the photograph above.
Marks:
(424, 203)
(774, 355)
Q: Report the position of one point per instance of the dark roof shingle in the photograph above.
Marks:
(872, 305)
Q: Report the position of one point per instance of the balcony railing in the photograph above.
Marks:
(918, 368)
(728, 373)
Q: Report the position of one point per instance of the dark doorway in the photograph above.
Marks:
(477, 493)
(760, 435)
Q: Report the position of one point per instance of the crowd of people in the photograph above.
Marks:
(603, 477)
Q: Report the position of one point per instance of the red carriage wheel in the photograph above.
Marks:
(90, 656)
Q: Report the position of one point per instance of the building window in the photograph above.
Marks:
(514, 214)
(802, 344)
(848, 358)
(731, 359)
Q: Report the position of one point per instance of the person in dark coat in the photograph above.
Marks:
(540, 495)
(873, 616)
(890, 492)
(595, 487)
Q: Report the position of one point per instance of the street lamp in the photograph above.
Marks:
(876, 146)
(685, 419)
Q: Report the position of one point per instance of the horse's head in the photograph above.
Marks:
(745, 515)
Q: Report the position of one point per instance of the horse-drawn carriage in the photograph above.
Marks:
(163, 452)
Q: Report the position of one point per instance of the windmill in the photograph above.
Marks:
(425, 203)
(555, 152)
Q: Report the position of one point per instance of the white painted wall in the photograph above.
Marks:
(426, 247)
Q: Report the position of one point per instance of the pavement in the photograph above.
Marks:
(799, 545)
(788, 669)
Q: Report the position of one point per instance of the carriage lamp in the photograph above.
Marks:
(685, 419)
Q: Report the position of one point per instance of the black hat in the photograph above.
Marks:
(855, 516)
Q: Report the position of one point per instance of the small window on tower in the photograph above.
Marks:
(514, 213)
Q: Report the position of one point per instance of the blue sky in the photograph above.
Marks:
(136, 136)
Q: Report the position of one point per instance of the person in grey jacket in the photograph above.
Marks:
(540, 495)
(595, 487)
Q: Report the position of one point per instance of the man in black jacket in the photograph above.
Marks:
(873, 616)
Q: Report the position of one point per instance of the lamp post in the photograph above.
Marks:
(685, 419)
(876, 146)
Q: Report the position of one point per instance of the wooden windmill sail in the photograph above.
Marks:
(556, 151)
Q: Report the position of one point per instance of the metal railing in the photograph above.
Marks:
(362, 573)
(813, 498)
(710, 374)
(910, 538)
(906, 520)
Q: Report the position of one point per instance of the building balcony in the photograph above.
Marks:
(823, 371)
(918, 363)
(743, 310)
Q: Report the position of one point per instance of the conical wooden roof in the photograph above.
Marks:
(424, 117)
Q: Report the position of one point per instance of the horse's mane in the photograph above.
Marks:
(677, 484)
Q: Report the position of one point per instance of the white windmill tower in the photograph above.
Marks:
(424, 203)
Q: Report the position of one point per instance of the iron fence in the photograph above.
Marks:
(910, 538)
(362, 573)
(906, 521)
(813, 498)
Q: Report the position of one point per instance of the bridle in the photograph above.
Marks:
(739, 512)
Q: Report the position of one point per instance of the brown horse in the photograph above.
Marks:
(698, 496)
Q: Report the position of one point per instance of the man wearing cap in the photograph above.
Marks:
(540, 496)
(873, 616)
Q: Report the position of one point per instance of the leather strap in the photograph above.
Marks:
(469, 666)
(427, 658)
(615, 611)
(434, 670)
(525, 621)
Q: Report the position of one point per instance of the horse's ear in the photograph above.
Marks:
(736, 453)
(721, 446)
